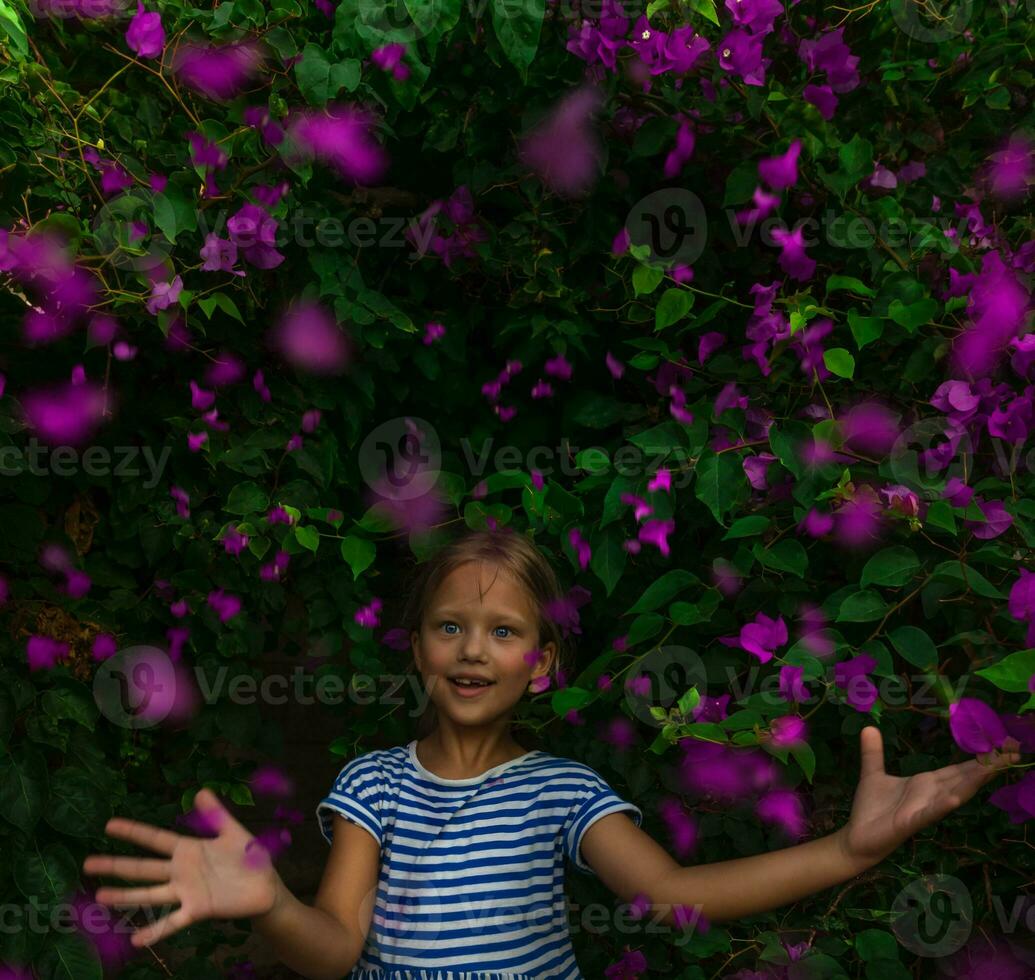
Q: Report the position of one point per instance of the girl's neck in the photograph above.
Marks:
(455, 756)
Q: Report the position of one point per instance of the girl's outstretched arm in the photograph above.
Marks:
(886, 811)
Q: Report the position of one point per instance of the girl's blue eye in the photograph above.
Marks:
(449, 622)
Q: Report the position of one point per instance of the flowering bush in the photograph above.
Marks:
(744, 294)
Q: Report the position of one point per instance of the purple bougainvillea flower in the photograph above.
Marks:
(367, 615)
(997, 309)
(271, 781)
(225, 604)
(781, 171)
(656, 532)
(782, 808)
(68, 414)
(254, 231)
(563, 149)
(762, 636)
(829, 53)
(103, 647)
(792, 688)
(1012, 169)
(787, 731)
(793, 259)
(823, 98)
(681, 826)
(1016, 799)
(342, 137)
(740, 53)
(683, 149)
(43, 652)
(145, 35)
(580, 546)
(975, 727)
(997, 520)
(682, 49)
(649, 43)
(309, 338)
(164, 294)
(220, 255)
(758, 16)
(432, 332)
(389, 57)
(764, 203)
(217, 71)
(708, 344)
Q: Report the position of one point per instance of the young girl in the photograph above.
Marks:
(448, 853)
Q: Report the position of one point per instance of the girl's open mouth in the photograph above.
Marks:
(469, 689)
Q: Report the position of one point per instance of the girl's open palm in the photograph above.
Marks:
(888, 810)
(224, 877)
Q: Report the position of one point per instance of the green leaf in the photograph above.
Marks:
(914, 645)
(73, 701)
(862, 607)
(23, 786)
(646, 279)
(246, 498)
(662, 590)
(747, 527)
(69, 956)
(839, 361)
(672, 307)
(11, 25)
(1012, 673)
(570, 699)
(865, 329)
(308, 537)
(174, 212)
(359, 553)
(223, 302)
(320, 80)
(706, 8)
(688, 701)
(49, 875)
(849, 283)
(788, 555)
(720, 477)
(892, 566)
(856, 156)
(805, 758)
(913, 315)
(609, 556)
(876, 944)
(517, 24)
(978, 582)
(644, 627)
(76, 805)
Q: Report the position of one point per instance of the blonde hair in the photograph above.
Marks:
(510, 551)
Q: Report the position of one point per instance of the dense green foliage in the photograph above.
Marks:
(758, 435)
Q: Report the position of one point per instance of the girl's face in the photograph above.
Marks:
(485, 637)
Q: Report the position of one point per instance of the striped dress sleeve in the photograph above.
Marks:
(593, 800)
(357, 794)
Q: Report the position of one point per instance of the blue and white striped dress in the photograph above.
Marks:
(471, 885)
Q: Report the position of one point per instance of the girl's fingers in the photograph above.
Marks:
(130, 868)
(144, 834)
(137, 897)
(165, 926)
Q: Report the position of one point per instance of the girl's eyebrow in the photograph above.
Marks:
(491, 614)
